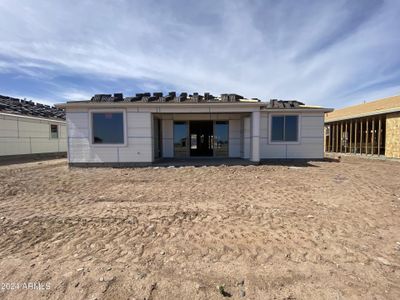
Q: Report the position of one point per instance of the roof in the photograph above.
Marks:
(172, 98)
(382, 106)
(17, 106)
(200, 103)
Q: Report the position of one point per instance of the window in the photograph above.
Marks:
(284, 128)
(180, 139)
(193, 141)
(54, 131)
(108, 128)
(221, 138)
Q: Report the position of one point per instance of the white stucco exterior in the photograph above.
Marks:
(310, 144)
(249, 131)
(20, 135)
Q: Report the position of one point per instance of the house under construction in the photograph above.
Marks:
(372, 128)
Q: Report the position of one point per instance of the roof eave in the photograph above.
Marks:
(86, 104)
(299, 109)
(33, 117)
(362, 115)
(72, 104)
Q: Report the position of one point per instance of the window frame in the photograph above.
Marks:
(58, 131)
(284, 114)
(187, 151)
(215, 149)
(124, 126)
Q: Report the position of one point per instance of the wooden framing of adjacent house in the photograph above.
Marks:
(371, 128)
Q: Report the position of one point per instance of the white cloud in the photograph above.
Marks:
(326, 53)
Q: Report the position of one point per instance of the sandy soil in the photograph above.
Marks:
(320, 231)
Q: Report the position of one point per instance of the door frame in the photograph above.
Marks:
(188, 155)
(210, 131)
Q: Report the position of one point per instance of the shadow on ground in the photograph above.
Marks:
(206, 162)
(297, 162)
(22, 159)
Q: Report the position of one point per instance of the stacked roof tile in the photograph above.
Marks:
(172, 97)
(29, 108)
(275, 103)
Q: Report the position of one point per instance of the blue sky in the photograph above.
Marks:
(331, 53)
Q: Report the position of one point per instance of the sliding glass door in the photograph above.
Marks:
(180, 139)
(201, 138)
(221, 138)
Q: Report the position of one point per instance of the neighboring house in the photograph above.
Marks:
(371, 128)
(28, 128)
(143, 129)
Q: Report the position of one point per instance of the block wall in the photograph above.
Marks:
(392, 145)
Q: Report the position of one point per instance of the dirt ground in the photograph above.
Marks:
(323, 230)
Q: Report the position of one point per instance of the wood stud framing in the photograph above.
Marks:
(341, 137)
(361, 136)
(379, 135)
(357, 136)
(373, 137)
(345, 138)
(351, 136)
(366, 136)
